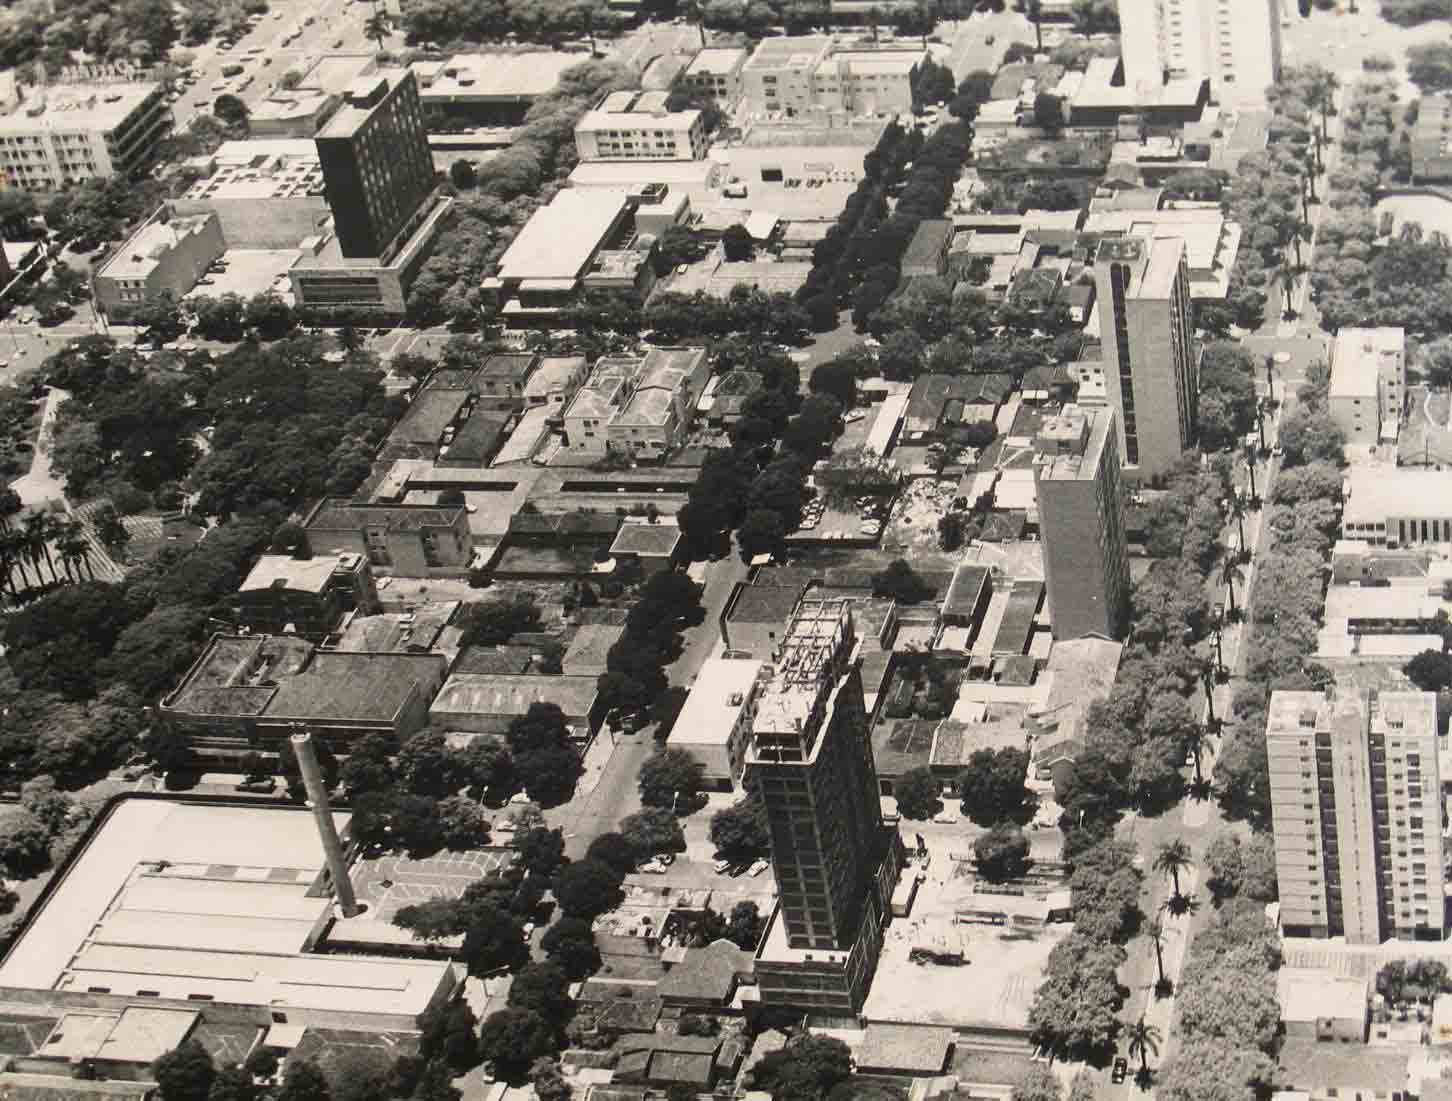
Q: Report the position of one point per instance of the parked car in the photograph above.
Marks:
(651, 867)
(758, 866)
(721, 866)
(1121, 1069)
(667, 859)
(265, 785)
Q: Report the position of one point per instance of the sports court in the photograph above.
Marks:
(389, 883)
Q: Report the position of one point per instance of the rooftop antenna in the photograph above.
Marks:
(312, 778)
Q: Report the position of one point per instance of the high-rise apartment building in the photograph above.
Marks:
(1143, 294)
(1081, 523)
(810, 757)
(1235, 44)
(1357, 810)
(377, 169)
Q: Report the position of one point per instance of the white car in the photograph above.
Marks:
(855, 416)
(720, 866)
(651, 867)
(528, 930)
(758, 867)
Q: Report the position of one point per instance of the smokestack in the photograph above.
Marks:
(312, 777)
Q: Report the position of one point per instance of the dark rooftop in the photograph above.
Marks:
(927, 243)
(651, 540)
(479, 438)
(494, 659)
(453, 378)
(1308, 1066)
(337, 514)
(763, 604)
(342, 685)
(963, 594)
(911, 1049)
(902, 745)
(1024, 601)
(428, 415)
(511, 367)
(706, 974)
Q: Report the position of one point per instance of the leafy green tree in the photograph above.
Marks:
(494, 939)
(901, 582)
(513, 1039)
(918, 793)
(992, 786)
(544, 988)
(807, 1068)
(671, 778)
(653, 830)
(1037, 1083)
(185, 1073)
(1002, 853)
(587, 889)
(736, 244)
(614, 849)
(1075, 1007)
(570, 942)
(740, 831)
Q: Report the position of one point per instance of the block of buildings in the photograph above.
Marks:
(56, 134)
(410, 540)
(716, 72)
(755, 618)
(299, 113)
(1081, 523)
(248, 693)
(490, 89)
(637, 126)
(168, 252)
(487, 703)
(938, 401)
(1356, 802)
(796, 74)
(501, 381)
(307, 597)
(1150, 372)
(1212, 243)
(587, 654)
(715, 723)
(1369, 384)
(810, 757)
(583, 237)
(176, 921)
(1235, 45)
(662, 405)
(1431, 148)
(1318, 1005)
(267, 194)
(587, 418)
(1397, 506)
(378, 177)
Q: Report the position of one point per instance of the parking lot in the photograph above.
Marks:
(389, 883)
(249, 272)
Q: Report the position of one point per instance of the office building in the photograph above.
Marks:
(637, 126)
(307, 597)
(377, 169)
(169, 252)
(793, 75)
(1356, 802)
(410, 540)
(810, 757)
(1143, 295)
(1431, 145)
(490, 89)
(716, 72)
(57, 134)
(715, 723)
(1397, 506)
(1368, 384)
(1235, 44)
(1081, 523)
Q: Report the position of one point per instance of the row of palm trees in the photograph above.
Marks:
(42, 543)
(1172, 858)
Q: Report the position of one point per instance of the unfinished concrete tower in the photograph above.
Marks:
(312, 777)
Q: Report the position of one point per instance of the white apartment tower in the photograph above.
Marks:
(1143, 294)
(1236, 44)
(1357, 812)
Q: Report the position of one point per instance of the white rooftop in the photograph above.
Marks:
(484, 75)
(716, 59)
(138, 257)
(75, 107)
(722, 689)
(1358, 356)
(559, 240)
(1308, 994)
(1375, 492)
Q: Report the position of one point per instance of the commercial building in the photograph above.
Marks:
(716, 72)
(487, 703)
(57, 134)
(500, 382)
(247, 693)
(1143, 295)
(587, 417)
(299, 113)
(169, 252)
(650, 546)
(307, 597)
(377, 169)
(715, 723)
(1356, 802)
(1235, 44)
(409, 540)
(1211, 242)
(836, 864)
(266, 194)
(637, 126)
(1081, 523)
(491, 89)
(1369, 384)
(209, 921)
(1390, 506)
(1317, 1005)
(794, 75)
(927, 252)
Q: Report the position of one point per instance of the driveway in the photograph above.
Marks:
(42, 484)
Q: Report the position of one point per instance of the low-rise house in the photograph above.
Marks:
(653, 547)
(715, 722)
(659, 1059)
(918, 1050)
(249, 693)
(587, 418)
(1321, 1006)
(1321, 1072)
(937, 401)
(706, 978)
(662, 405)
(477, 440)
(590, 648)
(487, 704)
(927, 252)
(407, 540)
(307, 597)
(553, 383)
(502, 380)
(420, 432)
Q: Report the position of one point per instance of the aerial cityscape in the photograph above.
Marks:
(780, 550)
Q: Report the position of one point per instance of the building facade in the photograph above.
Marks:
(717, 719)
(1145, 325)
(793, 75)
(1081, 524)
(1368, 383)
(1235, 44)
(68, 133)
(716, 72)
(408, 540)
(1397, 506)
(307, 597)
(1356, 803)
(810, 757)
(637, 126)
(377, 169)
(169, 252)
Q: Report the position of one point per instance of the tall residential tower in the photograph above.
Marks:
(810, 757)
(1081, 523)
(1143, 291)
(1357, 809)
(1235, 44)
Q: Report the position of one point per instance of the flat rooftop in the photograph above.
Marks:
(559, 240)
(722, 689)
(716, 60)
(283, 169)
(351, 115)
(303, 574)
(74, 107)
(140, 255)
(1374, 493)
(1358, 357)
(237, 885)
(491, 695)
(1071, 444)
(505, 76)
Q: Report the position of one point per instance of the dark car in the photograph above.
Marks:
(1121, 1068)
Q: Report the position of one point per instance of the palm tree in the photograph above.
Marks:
(1237, 511)
(1195, 742)
(1230, 573)
(73, 548)
(1250, 461)
(10, 505)
(1172, 859)
(39, 528)
(1144, 1041)
(1155, 931)
(1034, 9)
